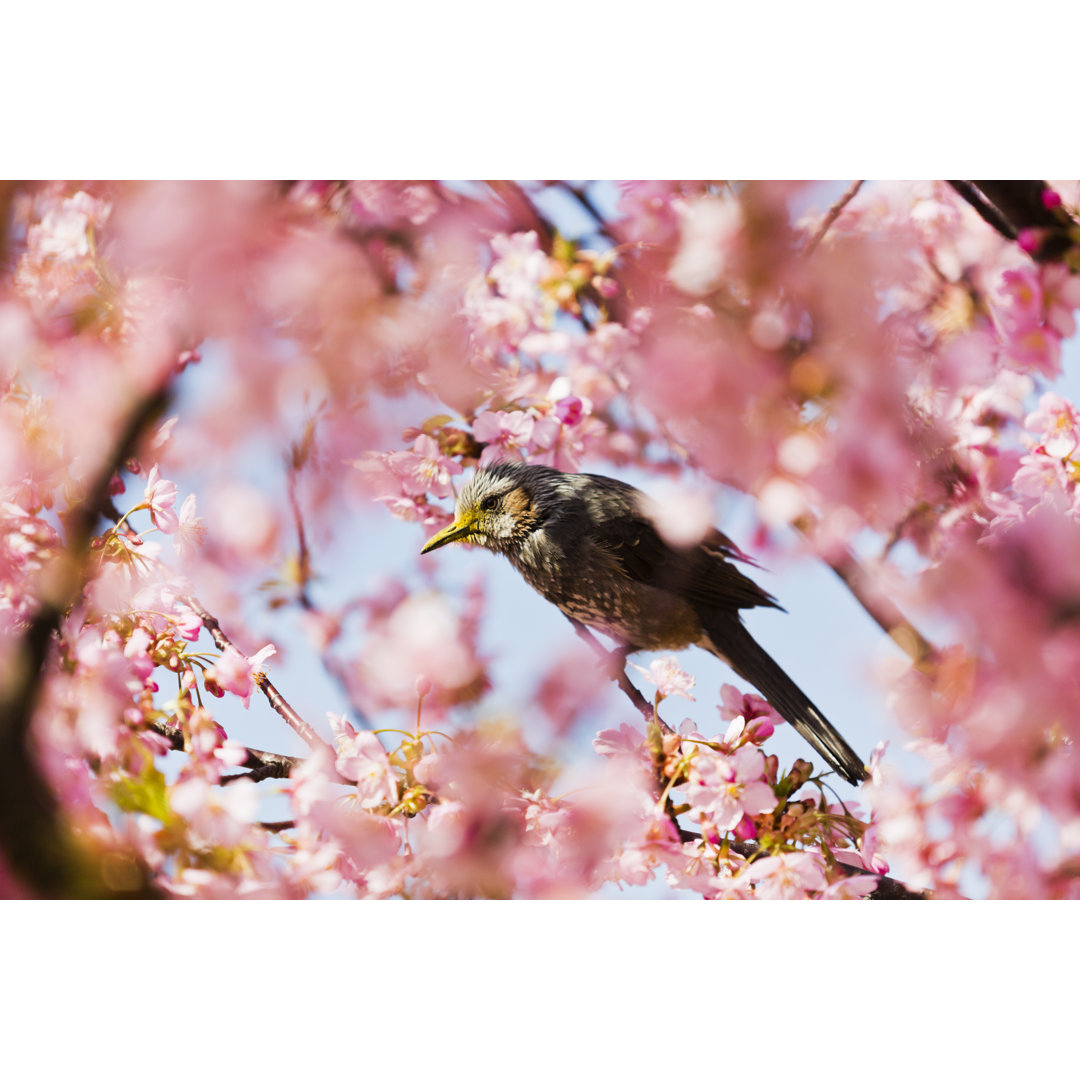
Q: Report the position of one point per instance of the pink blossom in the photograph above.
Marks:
(520, 266)
(135, 650)
(188, 625)
(389, 202)
(1061, 297)
(648, 209)
(63, 232)
(682, 517)
(1058, 422)
(759, 716)
(1020, 300)
(855, 887)
(503, 432)
(668, 677)
(425, 469)
(190, 529)
(1036, 349)
(422, 636)
(216, 816)
(361, 757)
(789, 876)
(724, 787)
(569, 409)
(160, 495)
(623, 740)
(710, 231)
(234, 672)
(1043, 477)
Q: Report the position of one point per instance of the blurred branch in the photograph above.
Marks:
(580, 195)
(835, 211)
(39, 847)
(523, 216)
(303, 557)
(1014, 206)
(277, 826)
(878, 606)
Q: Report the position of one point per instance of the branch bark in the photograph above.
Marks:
(38, 845)
(1015, 206)
(271, 692)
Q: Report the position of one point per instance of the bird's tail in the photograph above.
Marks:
(732, 643)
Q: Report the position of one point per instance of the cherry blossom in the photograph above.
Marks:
(873, 381)
(724, 788)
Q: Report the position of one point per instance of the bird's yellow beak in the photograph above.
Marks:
(456, 530)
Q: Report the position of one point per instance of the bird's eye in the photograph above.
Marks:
(489, 503)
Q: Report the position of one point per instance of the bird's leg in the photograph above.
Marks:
(614, 663)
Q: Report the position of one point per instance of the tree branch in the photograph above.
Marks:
(1016, 206)
(880, 608)
(835, 211)
(39, 848)
(887, 888)
(273, 695)
(614, 664)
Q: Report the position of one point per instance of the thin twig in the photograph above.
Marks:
(277, 826)
(303, 555)
(835, 211)
(289, 714)
(273, 695)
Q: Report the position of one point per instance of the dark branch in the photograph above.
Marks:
(887, 888)
(37, 844)
(1016, 206)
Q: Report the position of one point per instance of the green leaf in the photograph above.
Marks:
(145, 794)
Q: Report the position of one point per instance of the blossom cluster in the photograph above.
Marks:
(884, 376)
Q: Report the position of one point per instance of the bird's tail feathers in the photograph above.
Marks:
(733, 643)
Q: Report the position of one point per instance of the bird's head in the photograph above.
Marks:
(498, 508)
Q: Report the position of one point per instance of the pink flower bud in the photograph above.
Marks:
(1028, 239)
(1051, 199)
(745, 830)
(760, 729)
(569, 410)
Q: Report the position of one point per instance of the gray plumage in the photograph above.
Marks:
(587, 544)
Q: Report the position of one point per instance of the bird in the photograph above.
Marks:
(589, 545)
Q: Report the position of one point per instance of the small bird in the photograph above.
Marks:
(588, 544)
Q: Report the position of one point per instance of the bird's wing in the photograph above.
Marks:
(702, 574)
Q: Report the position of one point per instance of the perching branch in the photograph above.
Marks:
(614, 665)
